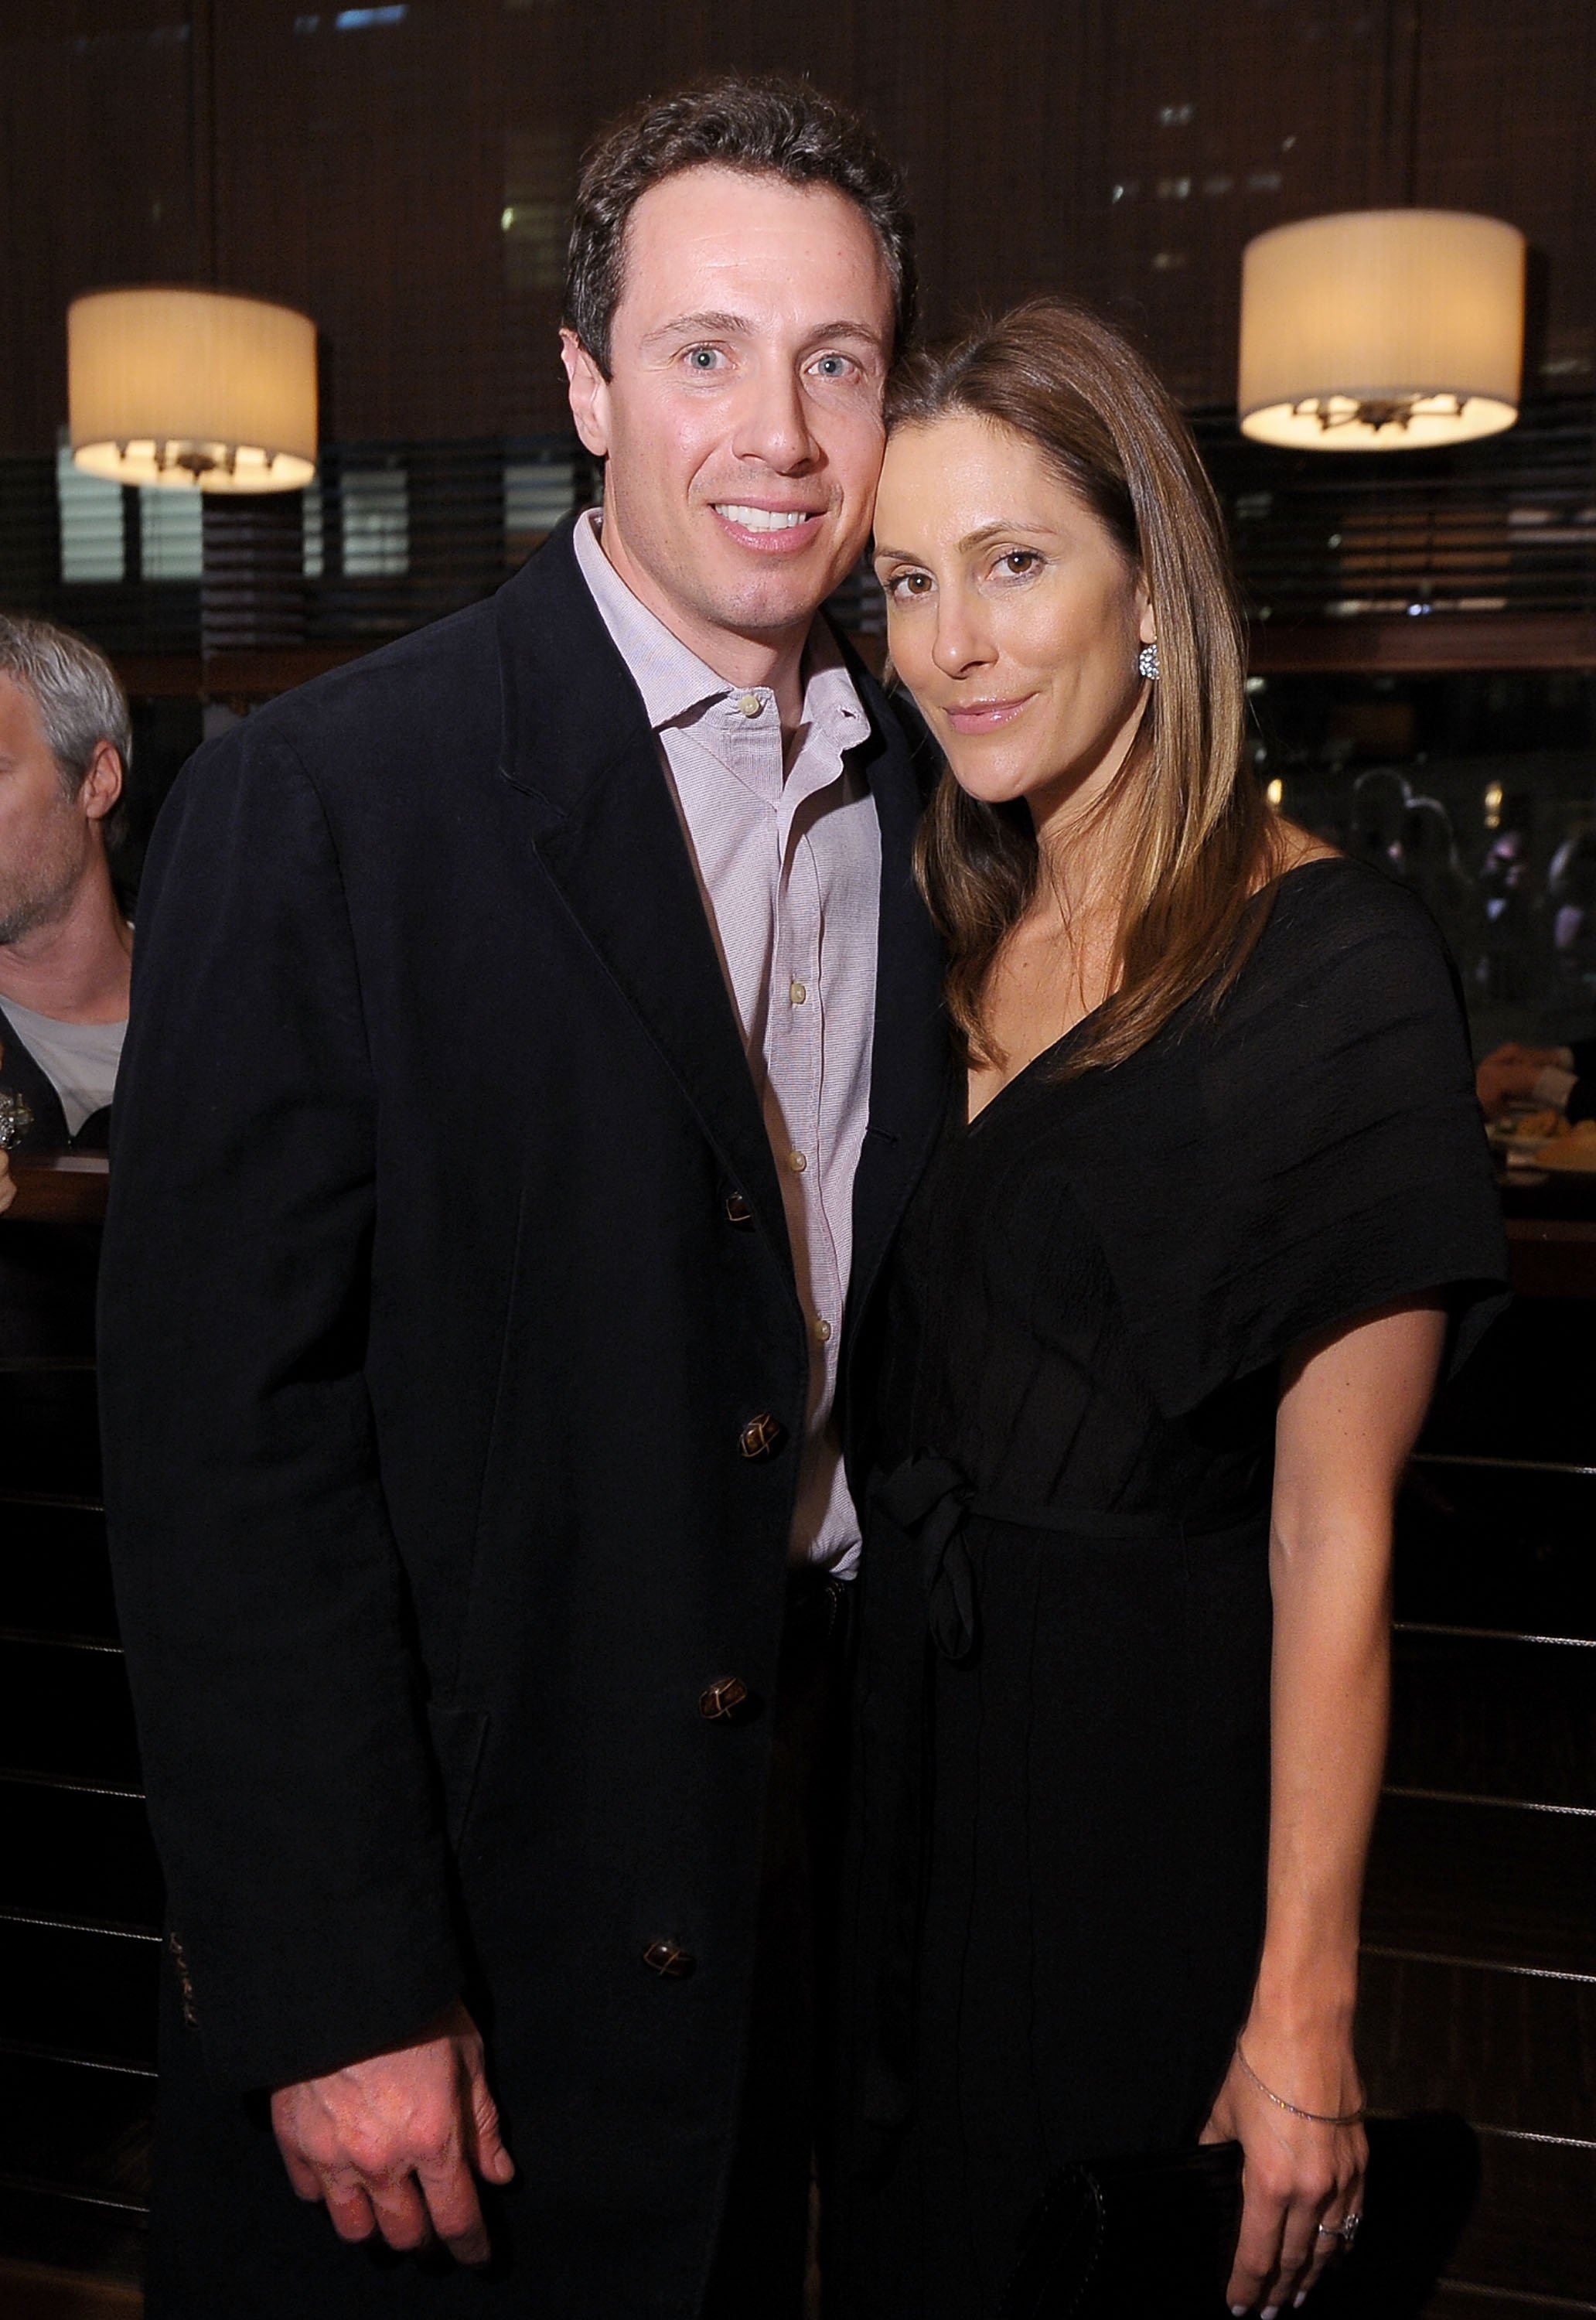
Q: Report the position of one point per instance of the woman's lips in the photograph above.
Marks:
(984, 716)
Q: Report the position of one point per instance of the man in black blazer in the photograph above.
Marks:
(469, 1412)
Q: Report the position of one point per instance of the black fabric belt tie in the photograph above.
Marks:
(928, 1500)
(931, 1499)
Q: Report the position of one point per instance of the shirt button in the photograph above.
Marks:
(822, 1330)
(797, 992)
(750, 704)
(797, 1162)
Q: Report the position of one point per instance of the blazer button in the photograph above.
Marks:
(762, 1437)
(724, 1699)
(738, 1212)
(670, 1959)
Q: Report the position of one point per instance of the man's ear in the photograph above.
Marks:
(102, 784)
(589, 394)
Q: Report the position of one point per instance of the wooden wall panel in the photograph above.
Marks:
(1506, 123)
(357, 178)
(95, 180)
(408, 183)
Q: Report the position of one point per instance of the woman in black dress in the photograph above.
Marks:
(1213, 1206)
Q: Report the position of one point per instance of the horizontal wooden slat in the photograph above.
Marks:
(83, 1993)
(86, 2130)
(1510, 2052)
(54, 1573)
(1527, 1392)
(69, 1713)
(66, 1188)
(69, 1854)
(1531, 2232)
(1454, 2301)
(49, 1432)
(1504, 1549)
(1507, 1888)
(1494, 1719)
(1430, 646)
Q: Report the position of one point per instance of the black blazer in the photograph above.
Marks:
(427, 1346)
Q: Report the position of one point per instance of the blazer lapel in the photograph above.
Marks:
(578, 746)
(911, 1064)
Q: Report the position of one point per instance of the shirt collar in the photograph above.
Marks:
(676, 686)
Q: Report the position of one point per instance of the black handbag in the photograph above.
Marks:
(1128, 2238)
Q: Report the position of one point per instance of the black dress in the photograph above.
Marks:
(1056, 1898)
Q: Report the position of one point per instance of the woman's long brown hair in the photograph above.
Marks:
(1194, 835)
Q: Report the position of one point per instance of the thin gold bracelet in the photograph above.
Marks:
(1319, 2117)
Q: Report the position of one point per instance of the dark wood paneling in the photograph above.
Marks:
(1506, 100)
(90, 1994)
(1432, 645)
(1531, 2230)
(1484, 1882)
(66, 1715)
(1508, 2049)
(49, 1425)
(365, 173)
(1475, 1716)
(72, 1855)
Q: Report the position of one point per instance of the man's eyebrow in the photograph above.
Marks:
(850, 327)
(705, 325)
(711, 324)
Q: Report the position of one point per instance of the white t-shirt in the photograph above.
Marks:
(79, 1059)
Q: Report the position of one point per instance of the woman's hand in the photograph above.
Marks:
(1297, 2175)
(7, 1183)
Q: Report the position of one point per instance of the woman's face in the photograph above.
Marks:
(1012, 615)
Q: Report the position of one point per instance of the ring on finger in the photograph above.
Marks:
(1346, 2231)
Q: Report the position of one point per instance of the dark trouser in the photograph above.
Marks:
(758, 2270)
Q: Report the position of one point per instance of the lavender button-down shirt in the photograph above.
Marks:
(787, 850)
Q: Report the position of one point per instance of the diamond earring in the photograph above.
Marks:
(1146, 662)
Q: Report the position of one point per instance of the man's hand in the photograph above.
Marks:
(390, 2144)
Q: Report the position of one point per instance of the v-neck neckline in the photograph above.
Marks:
(970, 1123)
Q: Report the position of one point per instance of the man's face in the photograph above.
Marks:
(47, 839)
(741, 420)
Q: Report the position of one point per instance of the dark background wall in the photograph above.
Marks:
(403, 173)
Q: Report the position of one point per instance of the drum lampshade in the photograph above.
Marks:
(1382, 329)
(193, 389)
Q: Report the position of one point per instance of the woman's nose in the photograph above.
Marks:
(960, 644)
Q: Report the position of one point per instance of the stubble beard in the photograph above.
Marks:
(38, 891)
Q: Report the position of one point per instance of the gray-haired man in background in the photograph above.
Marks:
(65, 948)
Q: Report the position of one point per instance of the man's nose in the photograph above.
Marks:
(773, 423)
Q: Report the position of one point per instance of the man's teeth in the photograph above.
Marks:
(763, 519)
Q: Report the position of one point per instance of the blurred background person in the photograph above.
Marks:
(66, 946)
(1562, 1078)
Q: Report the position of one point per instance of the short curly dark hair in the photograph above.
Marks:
(765, 124)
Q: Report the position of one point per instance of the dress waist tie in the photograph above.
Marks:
(928, 1500)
